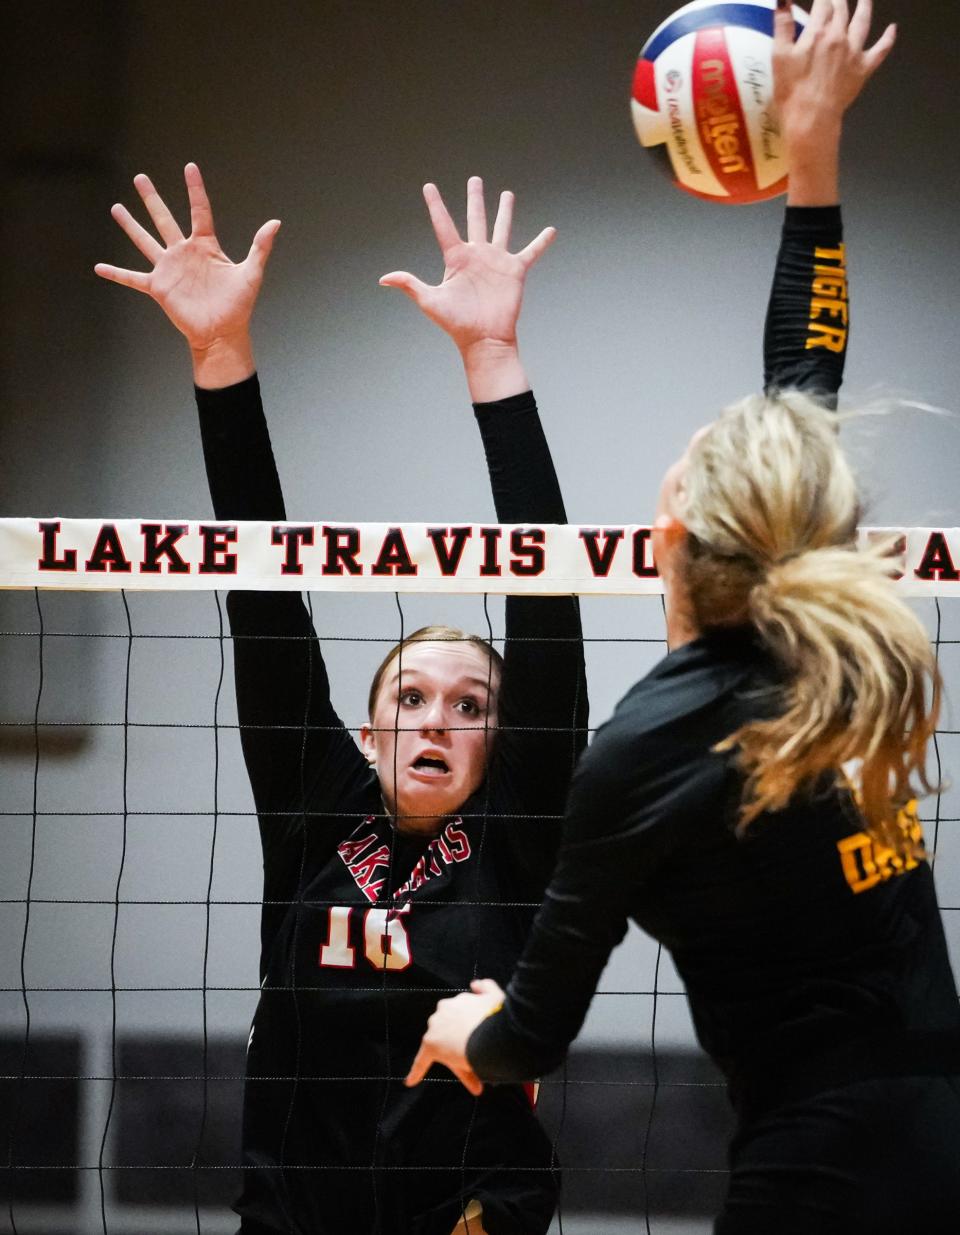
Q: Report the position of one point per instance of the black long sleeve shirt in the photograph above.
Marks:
(363, 925)
(800, 941)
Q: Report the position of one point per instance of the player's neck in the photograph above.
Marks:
(682, 624)
(419, 825)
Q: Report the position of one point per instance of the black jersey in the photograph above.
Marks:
(812, 957)
(364, 926)
(804, 941)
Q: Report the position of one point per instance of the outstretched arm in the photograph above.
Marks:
(610, 848)
(281, 682)
(543, 697)
(816, 78)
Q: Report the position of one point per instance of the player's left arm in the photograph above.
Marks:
(543, 698)
(816, 78)
(611, 848)
(543, 705)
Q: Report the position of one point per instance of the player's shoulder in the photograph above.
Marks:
(669, 722)
(691, 691)
(660, 743)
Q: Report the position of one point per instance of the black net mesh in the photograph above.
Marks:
(130, 901)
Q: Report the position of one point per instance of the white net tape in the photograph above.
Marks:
(187, 555)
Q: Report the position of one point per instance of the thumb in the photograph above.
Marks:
(407, 283)
(485, 986)
(262, 245)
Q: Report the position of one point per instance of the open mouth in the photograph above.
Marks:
(430, 765)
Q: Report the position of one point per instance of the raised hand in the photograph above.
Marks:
(208, 297)
(478, 302)
(821, 74)
(816, 78)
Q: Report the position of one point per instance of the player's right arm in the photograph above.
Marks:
(288, 726)
(816, 78)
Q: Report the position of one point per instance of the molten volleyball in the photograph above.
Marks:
(703, 100)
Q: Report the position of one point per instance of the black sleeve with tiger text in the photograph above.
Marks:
(808, 317)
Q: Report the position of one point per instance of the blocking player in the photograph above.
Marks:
(414, 861)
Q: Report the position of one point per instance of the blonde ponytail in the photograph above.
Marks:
(772, 509)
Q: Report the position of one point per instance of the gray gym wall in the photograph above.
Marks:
(641, 322)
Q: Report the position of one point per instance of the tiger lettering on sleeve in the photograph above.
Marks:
(829, 301)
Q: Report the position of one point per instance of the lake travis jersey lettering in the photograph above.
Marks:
(364, 863)
(386, 944)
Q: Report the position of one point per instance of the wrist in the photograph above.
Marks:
(224, 362)
(813, 135)
(493, 369)
(814, 162)
(488, 351)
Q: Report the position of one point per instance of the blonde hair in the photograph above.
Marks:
(772, 509)
(431, 634)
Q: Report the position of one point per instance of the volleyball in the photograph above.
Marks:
(703, 104)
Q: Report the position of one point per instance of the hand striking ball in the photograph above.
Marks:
(703, 100)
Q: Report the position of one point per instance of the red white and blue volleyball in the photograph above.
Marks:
(703, 100)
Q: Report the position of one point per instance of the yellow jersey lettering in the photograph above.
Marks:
(833, 338)
(830, 284)
(829, 299)
(832, 308)
(856, 858)
(832, 255)
(866, 862)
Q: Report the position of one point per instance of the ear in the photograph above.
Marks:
(368, 743)
(669, 535)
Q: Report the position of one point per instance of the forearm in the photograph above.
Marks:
(499, 1054)
(808, 318)
(814, 161)
(611, 848)
(543, 699)
(239, 459)
(522, 476)
(551, 990)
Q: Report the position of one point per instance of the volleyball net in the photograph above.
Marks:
(130, 864)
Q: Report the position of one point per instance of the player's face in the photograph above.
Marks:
(432, 729)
